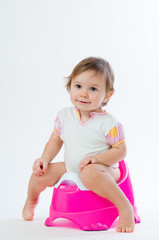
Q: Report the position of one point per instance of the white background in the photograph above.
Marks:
(40, 43)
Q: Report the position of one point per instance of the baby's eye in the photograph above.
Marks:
(78, 86)
(93, 89)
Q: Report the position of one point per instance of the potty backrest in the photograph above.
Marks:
(125, 181)
(124, 172)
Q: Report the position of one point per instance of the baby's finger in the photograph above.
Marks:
(38, 173)
(39, 167)
(84, 163)
(45, 165)
(93, 161)
(36, 169)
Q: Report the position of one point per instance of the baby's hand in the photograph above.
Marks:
(88, 160)
(39, 166)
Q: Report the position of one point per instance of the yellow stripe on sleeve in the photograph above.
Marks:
(116, 144)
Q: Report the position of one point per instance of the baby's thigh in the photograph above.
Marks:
(94, 171)
(54, 173)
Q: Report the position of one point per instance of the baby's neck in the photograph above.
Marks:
(86, 115)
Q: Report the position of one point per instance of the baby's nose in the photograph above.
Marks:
(84, 94)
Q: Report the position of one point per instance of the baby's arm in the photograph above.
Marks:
(117, 151)
(112, 156)
(51, 149)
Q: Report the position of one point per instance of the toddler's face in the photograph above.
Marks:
(88, 91)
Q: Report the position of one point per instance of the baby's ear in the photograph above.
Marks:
(108, 96)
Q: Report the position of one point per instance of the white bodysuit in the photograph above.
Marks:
(101, 132)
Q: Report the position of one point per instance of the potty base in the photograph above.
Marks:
(95, 220)
(88, 210)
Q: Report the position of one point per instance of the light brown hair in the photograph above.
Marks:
(99, 65)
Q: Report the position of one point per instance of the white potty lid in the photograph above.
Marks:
(71, 178)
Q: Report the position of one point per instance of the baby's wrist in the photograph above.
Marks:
(97, 158)
(46, 158)
(101, 159)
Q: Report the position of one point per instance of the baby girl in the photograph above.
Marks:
(93, 141)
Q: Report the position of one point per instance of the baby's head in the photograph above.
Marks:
(99, 66)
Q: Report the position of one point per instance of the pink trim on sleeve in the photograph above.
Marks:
(116, 135)
(57, 126)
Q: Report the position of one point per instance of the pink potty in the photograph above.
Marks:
(85, 208)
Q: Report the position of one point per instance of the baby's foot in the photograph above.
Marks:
(28, 210)
(126, 221)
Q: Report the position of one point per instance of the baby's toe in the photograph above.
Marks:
(124, 228)
(130, 229)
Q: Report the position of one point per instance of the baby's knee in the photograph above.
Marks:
(89, 175)
(42, 181)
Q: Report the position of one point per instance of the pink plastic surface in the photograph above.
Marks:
(87, 209)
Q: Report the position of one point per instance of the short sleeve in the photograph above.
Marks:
(116, 135)
(57, 126)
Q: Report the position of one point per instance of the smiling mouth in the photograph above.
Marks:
(83, 102)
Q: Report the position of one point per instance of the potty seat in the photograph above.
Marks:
(72, 201)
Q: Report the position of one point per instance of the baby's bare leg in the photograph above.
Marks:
(102, 180)
(38, 184)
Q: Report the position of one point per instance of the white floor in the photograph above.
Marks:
(19, 229)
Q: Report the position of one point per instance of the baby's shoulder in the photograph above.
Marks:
(108, 122)
(110, 118)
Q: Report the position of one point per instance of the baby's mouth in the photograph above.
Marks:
(84, 102)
